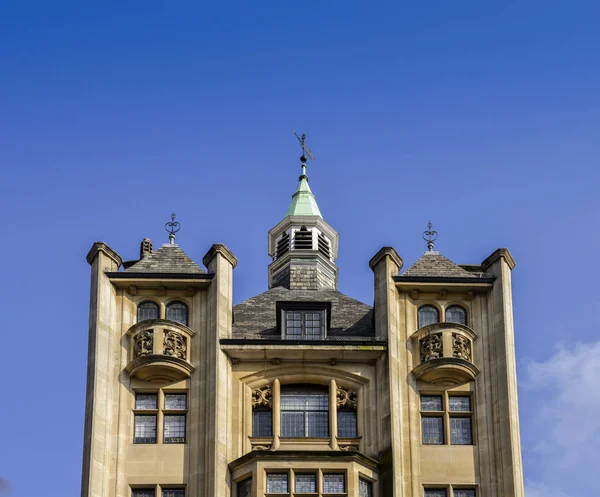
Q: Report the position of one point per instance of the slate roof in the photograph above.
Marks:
(257, 316)
(433, 264)
(168, 259)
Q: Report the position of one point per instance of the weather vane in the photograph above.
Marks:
(430, 236)
(305, 150)
(172, 227)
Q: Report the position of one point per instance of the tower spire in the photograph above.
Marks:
(303, 200)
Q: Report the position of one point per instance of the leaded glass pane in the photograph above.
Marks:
(143, 492)
(178, 312)
(173, 492)
(460, 431)
(334, 483)
(304, 411)
(292, 424)
(433, 430)
(346, 423)
(431, 403)
(262, 423)
(464, 492)
(456, 314)
(365, 488)
(428, 315)
(306, 483)
(312, 322)
(462, 403)
(293, 325)
(436, 492)
(147, 310)
(175, 401)
(277, 483)
(304, 325)
(244, 488)
(146, 401)
(144, 429)
(175, 429)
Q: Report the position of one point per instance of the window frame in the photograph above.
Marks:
(456, 306)
(447, 415)
(147, 301)
(432, 306)
(187, 311)
(160, 413)
(282, 307)
(322, 389)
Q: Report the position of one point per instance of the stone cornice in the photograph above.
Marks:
(219, 248)
(389, 252)
(103, 247)
(501, 253)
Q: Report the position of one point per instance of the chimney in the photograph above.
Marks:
(145, 248)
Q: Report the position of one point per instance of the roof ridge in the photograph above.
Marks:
(169, 258)
(434, 264)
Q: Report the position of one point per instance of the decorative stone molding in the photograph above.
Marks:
(443, 292)
(470, 295)
(348, 448)
(175, 344)
(431, 347)
(414, 294)
(445, 354)
(346, 398)
(461, 347)
(132, 290)
(143, 343)
(262, 397)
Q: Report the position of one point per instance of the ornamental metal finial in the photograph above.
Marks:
(305, 152)
(172, 227)
(430, 236)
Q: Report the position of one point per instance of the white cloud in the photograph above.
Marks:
(562, 421)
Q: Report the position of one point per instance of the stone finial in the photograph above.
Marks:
(145, 248)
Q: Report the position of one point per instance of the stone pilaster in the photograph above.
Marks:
(102, 376)
(220, 261)
(503, 374)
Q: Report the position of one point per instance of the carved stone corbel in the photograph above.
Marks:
(132, 290)
(415, 294)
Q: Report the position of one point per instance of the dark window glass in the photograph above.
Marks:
(143, 492)
(431, 403)
(460, 431)
(464, 492)
(178, 312)
(346, 419)
(428, 314)
(277, 483)
(262, 423)
(147, 310)
(304, 411)
(306, 483)
(365, 488)
(244, 488)
(173, 492)
(175, 401)
(433, 430)
(436, 492)
(334, 483)
(174, 429)
(144, 429)
(456, 314)
(459, 403)
(304, 325)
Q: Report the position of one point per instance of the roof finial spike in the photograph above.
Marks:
(305, 153)
(172, 227)
(430, 236)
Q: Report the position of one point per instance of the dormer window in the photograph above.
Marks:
(303, 320)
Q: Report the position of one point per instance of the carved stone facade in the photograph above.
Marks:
(175, 344)
(144, 343)
(431, 347)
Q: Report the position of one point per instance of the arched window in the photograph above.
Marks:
(147, 310)
(456, 314)
(178, 312)
(304, 411)
(428, 314)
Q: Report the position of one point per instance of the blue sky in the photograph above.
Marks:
(481, 117)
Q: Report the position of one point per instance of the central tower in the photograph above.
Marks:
(303, 246)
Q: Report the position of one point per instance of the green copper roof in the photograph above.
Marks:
(303, 201)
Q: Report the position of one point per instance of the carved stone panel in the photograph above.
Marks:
(346, 398)
(175, 344)
(143, 343)
(461, 347)
(431, 347)
(262, 397)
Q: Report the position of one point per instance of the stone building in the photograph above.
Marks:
(301, 390)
